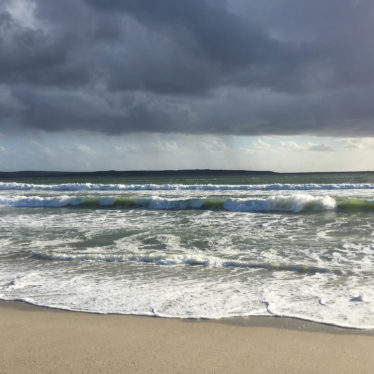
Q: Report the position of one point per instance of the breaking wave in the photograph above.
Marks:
(281, 203)
(296, 203)
(181, 187)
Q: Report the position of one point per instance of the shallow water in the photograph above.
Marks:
(216, 249)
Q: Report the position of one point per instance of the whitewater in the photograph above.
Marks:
(192, 250)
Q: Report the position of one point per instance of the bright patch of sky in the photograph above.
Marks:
(85, 151)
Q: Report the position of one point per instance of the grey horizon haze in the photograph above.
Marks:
(196, 67)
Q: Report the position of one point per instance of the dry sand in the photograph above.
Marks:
(41, 340)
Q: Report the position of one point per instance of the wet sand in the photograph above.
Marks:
(43, 340)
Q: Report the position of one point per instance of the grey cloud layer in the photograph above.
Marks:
(197, 66)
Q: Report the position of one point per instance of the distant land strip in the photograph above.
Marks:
(131, 173)
(155, 173)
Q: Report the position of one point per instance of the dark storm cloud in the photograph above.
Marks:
(198, 66)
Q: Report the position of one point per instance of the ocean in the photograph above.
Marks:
(194, 245)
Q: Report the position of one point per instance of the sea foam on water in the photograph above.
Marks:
(192, 250)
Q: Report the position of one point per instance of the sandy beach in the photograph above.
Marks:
(42, 340)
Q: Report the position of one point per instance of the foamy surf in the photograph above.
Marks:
(204, 261)
(183, 187)
(301, 250)
(296, 203)
(288, 203)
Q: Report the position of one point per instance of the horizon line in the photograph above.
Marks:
(45, 173)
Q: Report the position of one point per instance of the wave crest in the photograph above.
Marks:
(182, 187)
(288, 203)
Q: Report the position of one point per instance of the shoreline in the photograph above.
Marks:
(287, 323)
(44, 340)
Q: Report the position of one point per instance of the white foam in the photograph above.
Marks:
(186, 297)
(39, 201)
(293, 203)
(282, 203)
(209, 264)
(181, 187)
(176, 260)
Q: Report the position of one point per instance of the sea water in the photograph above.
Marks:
(298, 245)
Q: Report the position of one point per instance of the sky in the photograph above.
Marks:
(283, 85)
